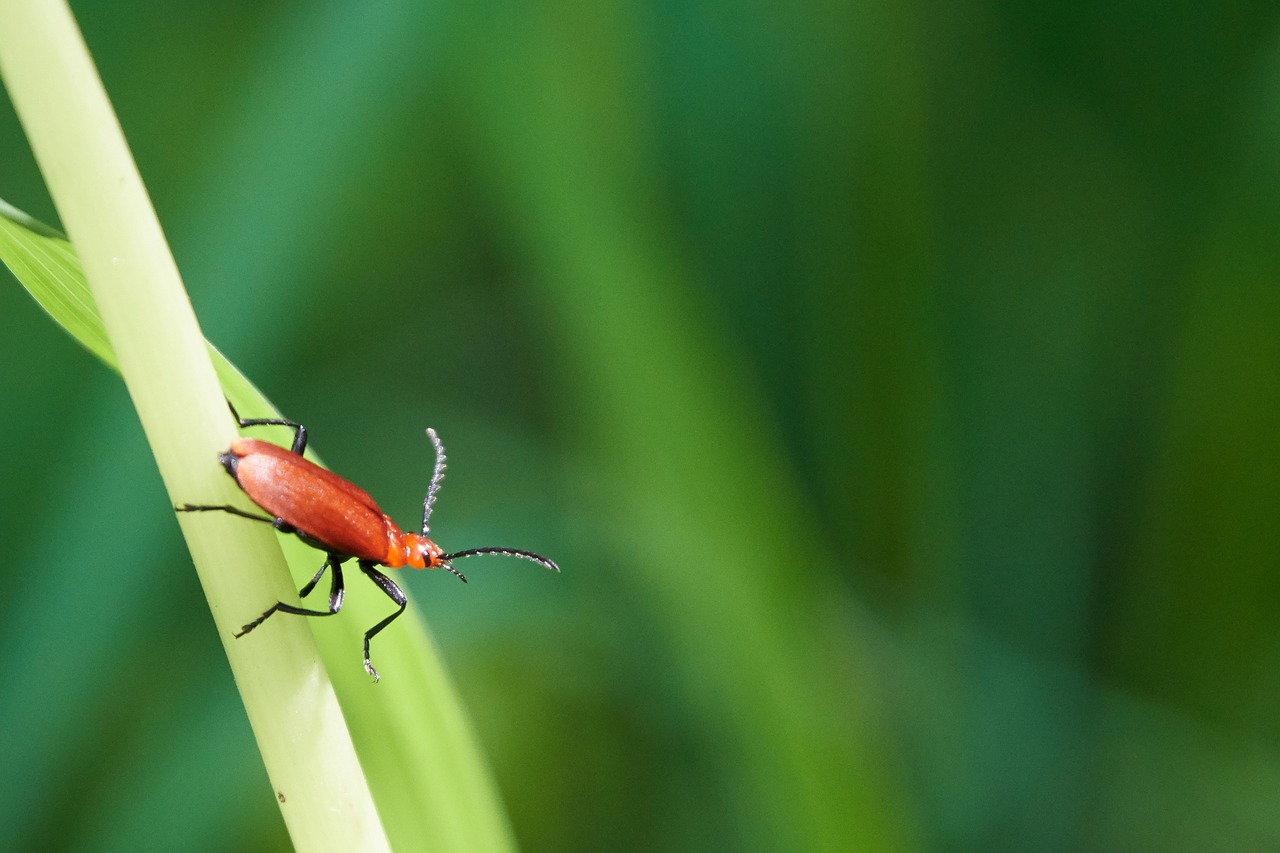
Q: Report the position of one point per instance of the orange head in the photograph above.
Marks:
(421, 553)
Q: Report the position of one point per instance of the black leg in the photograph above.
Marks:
(299, 437)
(278, 523)
(393, 592)
(311, 584)
(335, 598)
(226, 508)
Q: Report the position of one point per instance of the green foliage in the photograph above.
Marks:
(44, 263)
(895, 386)
(412, 738)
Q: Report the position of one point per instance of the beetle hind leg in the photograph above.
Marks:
(225, 508)
(299, 435)
(278, 523)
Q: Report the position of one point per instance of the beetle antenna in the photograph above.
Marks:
(436, 477)
(510, 552)
(449, 568)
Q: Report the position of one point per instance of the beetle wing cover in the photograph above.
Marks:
(333, 511)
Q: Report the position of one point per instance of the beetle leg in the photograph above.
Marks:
(336, 594)
(299, 437)
(393, 592)
(278, 523)
(311, 584)
(226, 508)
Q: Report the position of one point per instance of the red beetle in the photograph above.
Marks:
(337, 517)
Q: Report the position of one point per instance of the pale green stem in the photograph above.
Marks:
(95, 185)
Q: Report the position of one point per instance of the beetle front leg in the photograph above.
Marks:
(393, 592)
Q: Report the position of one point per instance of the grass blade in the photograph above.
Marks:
(419, 756)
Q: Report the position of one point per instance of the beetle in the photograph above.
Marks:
(338, 517)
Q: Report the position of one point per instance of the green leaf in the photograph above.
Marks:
(44, 262)
(415, 744)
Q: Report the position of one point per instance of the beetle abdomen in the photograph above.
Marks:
(311, 499)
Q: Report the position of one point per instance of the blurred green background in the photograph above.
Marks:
(897, 385)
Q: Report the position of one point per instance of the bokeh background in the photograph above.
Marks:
(897, 384)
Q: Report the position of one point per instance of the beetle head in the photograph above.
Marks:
(424, 554)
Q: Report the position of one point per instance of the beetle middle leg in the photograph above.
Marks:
(336, 593)
(393, 592)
